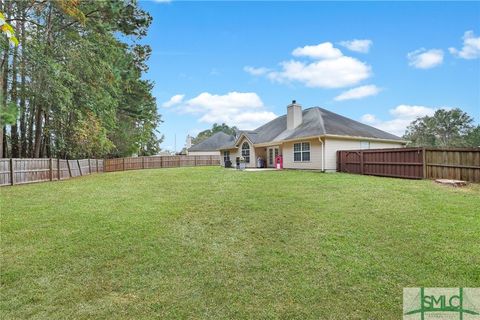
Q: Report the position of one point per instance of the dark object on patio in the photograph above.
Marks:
(228, 164)
(260, 163)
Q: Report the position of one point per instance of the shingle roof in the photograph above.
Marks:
(336, 124)
(213, 143)
(316, 122)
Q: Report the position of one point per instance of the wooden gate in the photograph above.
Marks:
(413, 163)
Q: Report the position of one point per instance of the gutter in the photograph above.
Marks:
(364, 138)
(280, 142)
(323, 153)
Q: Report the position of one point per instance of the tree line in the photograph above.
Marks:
(444, 129)
(73, 87)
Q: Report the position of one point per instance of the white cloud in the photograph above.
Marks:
(358, 93)
(320, 51)
(330, 68)
(402, 115)
(176, 99)
(368, 118)
(471, 47)
(404, 111)
(242, 109)
(330, 73)
(362, 46)
(231, 100)
(256, 71)
(162, 1)
(425, 59)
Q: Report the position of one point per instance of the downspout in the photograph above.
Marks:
(323, 154)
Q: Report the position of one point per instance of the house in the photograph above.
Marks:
(306, 139)
(212, 145)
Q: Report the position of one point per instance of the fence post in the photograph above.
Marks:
(58, 168)
(12, 173)
(143, 162)
(50, 166)
(161, 162)
(194, 161)
(79, 168)
(341, 161)
(89, 167)
(424, 160)
(69, 169)
(361, 162)
(123, 164)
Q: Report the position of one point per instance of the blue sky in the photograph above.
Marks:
(243, 62)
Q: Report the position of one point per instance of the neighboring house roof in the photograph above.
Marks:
(315, 122)
(213, 143)
(163, 153)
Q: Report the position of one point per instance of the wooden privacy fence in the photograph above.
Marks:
(135, 163)
(413, 163)
(20, 171)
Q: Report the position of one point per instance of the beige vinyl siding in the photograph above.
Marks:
(253, 161)
(379, 145)
(315, 155)
(233, 155)
(204, 153)
(286, 149)
(332, 145)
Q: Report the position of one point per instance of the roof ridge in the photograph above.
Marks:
(319, 110)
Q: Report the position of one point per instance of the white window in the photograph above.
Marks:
(301, 152)
(365, 145)
(226, 156)
(246, 152)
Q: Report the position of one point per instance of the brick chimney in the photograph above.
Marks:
(294, 115)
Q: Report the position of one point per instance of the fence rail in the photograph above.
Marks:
(413, 163)
(137, 163)
(21, 171)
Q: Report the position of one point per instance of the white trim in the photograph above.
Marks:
(301, 151)
(228, 155)
(280, 142)
(250, 146)
(273, 148)
(364, 138)
(323, 153)
(240, 137)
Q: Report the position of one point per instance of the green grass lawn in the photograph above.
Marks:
(210, 243)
